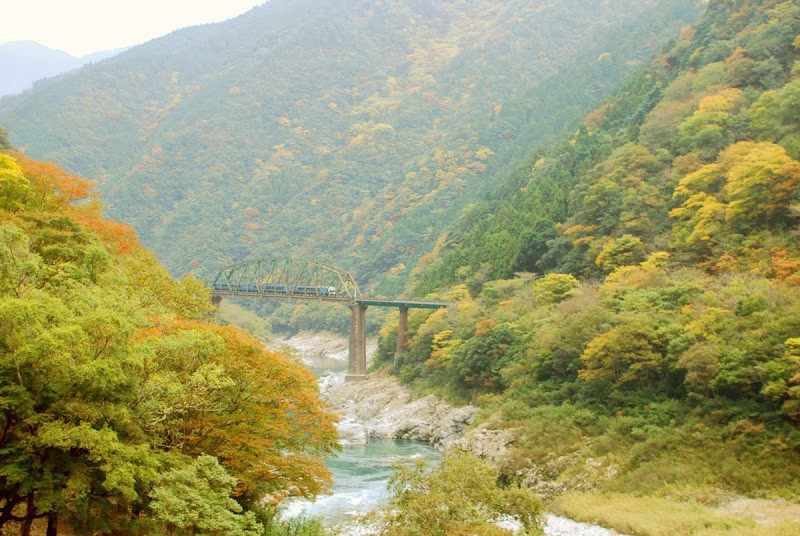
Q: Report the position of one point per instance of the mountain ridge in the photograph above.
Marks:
(27, 62)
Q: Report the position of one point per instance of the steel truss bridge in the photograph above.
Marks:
(302, 279)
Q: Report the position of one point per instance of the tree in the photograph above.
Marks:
(5, 143)
(750, 187)
(14, 186)
(478, 361)
(554, 288)
(626, 250)
(629, 353)
(783, 385)
(775, 118)
(461, 496)
(197, 499)
(108, 392)
(215, 390)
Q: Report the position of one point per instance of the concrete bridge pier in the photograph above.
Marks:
(402, 327)
(357, 359)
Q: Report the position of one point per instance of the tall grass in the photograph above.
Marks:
(654, 516)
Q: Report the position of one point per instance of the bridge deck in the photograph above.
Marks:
(403, 304)
(280, 295)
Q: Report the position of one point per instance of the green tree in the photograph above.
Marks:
(629, 353)
(5, 143)
(461, 496)
(775, 119)
(197, 500)
(478, 361)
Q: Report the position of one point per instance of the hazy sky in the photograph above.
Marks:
(84, 26)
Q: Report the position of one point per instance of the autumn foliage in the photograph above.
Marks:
(125, 409)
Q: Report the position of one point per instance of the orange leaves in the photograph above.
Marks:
(50, 179)
(268, 425)
(484, 326)
(122, 236)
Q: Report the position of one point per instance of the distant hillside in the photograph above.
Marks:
(25, 62)
(347, 131)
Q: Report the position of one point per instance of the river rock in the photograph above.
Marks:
(351, 432)
(488, 443)
(384, 408)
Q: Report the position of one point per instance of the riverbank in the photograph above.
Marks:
(380, 407)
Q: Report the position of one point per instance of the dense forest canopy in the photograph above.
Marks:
(631, 294)
(349, 132)
(122, 406)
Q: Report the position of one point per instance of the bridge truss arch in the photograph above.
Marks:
(286, 278)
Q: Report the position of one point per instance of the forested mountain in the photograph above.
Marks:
(631, 294)
(25, 62)
(346, 131)
(631, 179)
(124, 408)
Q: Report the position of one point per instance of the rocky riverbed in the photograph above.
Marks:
(381, 407)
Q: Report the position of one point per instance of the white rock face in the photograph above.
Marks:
(487, 443)
(383, 408)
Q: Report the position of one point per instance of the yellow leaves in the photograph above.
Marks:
(707, 322)
(580, 229)
(396, 270)
(761, 179)
(442, 346)
(281, 152)
(748, 186)
(14, 186)
(554, 288)
(727, 100)
(483, 154)
(627, 353)
(657, 259)
(708, 218)
(633, 277)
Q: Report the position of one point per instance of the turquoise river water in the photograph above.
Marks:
(361, 473)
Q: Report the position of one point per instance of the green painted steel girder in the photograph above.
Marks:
(403, 304)
(300, 279)
(286, 278)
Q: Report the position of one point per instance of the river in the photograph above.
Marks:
(361, 472)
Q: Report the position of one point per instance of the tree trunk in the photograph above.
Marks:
(30, 514)
(52, 524)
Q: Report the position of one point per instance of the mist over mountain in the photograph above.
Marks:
(350, 132)
(25, 62)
